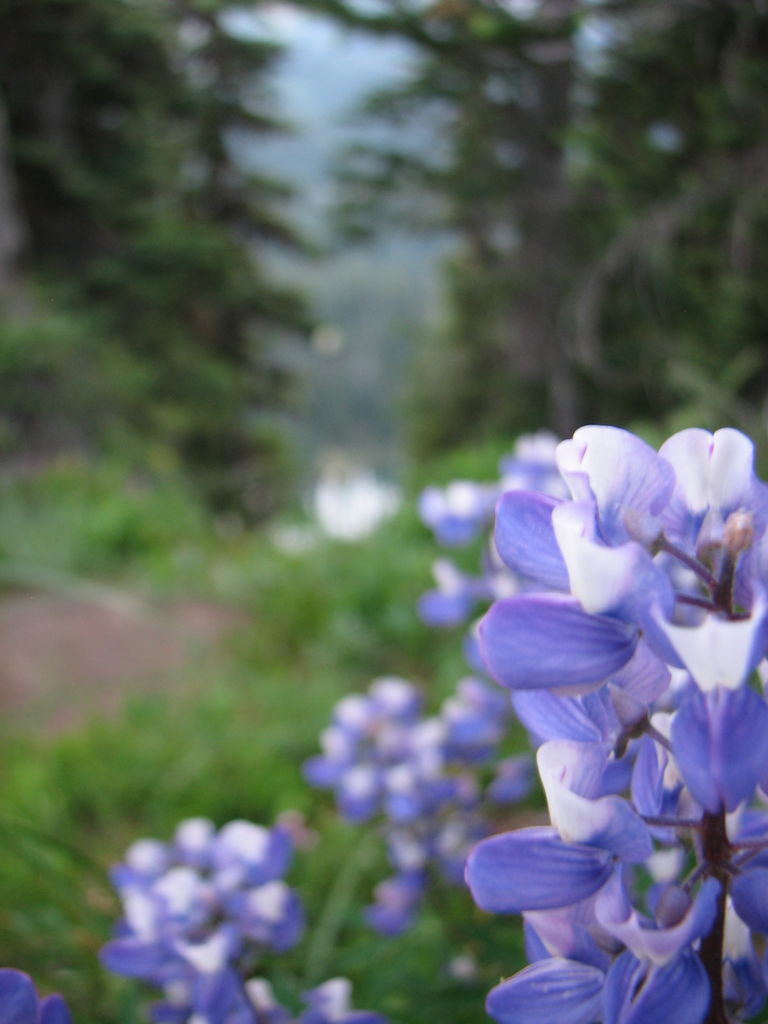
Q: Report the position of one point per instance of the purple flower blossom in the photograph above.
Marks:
(199, 911)
(418, 777)
(463, 511)
(457, 512)
(329, 1003)
(632, 668)
(667, 545)
(20, 1004)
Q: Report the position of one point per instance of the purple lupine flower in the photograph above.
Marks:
(454, 596)
(20, 1003)
(632, 668)
(647, 545)
(224, 998)
(533, 465)
(463, 511)
(418, 777)
(329, 1003)
(457, 512)
(396, 902)
(513, 778)
(199, 910)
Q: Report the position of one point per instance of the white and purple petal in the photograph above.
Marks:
(648, 942)
(572, 775)
(570, 932)
(719, 652)
(743, 979)
(711, 472)
(629, 481)
(620, 579)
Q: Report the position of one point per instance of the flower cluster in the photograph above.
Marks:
(633, 668)
(199, 912)
(384, 759)
(329, 1003)
(19, 1002)
(461, 512)
(224, 998)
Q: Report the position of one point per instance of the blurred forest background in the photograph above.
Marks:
(233, 234)
(247, 247)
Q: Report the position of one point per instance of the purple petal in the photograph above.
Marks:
(18, 999)
(526, 541)
(677, 993)
(534, 948)
(749, 893)
(139, 958)
(618, 828)
(648, 777)
(532, 869)
(645, 676)
(323, 771)
(568, 932)
(513, 780)
(53, 1010)
(443, 610)
(553, 991)
(219, 998)
(550, 717)
(544, 640)
(658, 945)
(719, 741)
(457, 512)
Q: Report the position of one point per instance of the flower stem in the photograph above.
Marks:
(668, 821)
(692, 563)
(716, 849)
(654, 733)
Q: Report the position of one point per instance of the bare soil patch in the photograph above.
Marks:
(63, 659)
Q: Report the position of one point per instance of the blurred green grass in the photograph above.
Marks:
(317, 625)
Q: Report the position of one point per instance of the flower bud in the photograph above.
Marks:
(738, 532)
(674, 903)
(628, 709)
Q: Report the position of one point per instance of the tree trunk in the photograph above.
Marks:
(12, 228)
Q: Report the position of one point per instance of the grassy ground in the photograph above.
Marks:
(227, 744)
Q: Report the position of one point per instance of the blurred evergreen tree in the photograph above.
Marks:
(669, 313)
(603, 167)
(489, 105)
(142, 228)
